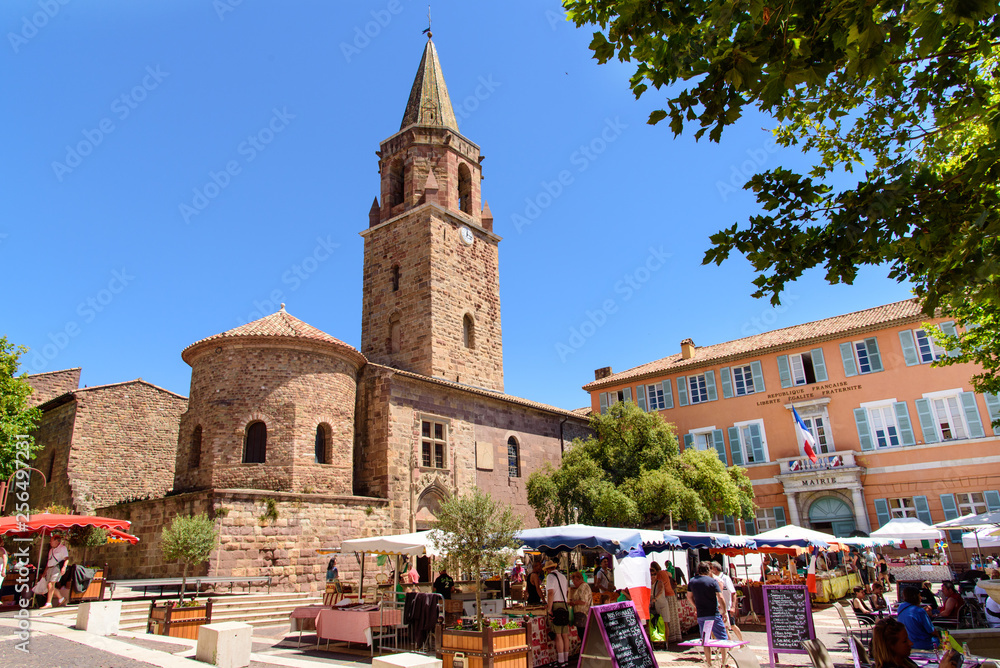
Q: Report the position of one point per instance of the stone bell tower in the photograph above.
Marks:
(431, 302)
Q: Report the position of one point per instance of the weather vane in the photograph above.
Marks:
(428, 31)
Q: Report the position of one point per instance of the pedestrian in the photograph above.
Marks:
(444, 584)
(705, 594)
(535, 593)
(729, 598)
(604, 582)
(580, 597)
(55, 568)
(557, 609)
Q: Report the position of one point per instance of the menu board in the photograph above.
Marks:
(788, 615)
(615, 634)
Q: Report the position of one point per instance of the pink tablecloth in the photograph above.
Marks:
(687, 614)
(543, 650)
(304, 618)
(350, 625)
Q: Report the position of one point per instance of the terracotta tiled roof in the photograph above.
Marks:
(279, 325)
(789, 337)
(483, 392)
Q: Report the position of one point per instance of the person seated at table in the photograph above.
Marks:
(862, 608)
(891, 646)
(927, 597)
(877, 598)
(951, 601)
(918, 625)
(444, 584)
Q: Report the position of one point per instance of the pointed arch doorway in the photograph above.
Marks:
(831, 514)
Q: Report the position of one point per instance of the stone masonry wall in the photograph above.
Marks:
(293, 388)
(52, 384)
(285, 548)
(54, 434)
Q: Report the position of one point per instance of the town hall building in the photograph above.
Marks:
(293, 440)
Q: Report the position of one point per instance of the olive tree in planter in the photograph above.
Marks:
(189, 540)
(477, 533)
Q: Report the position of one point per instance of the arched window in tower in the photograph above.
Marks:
(394, 333)
(194, 455)
(464, 189)
(255, 444)
(322, 439)
(468, 332)
(395, 183)
(513, 458)
(395, 278)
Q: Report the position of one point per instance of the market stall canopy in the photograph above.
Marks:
(411, 544)
(116, 536)
(971, 521)
(692, 540)
(984, 537)
(49, 522)
(865, 541)
(792, 535)
(909, 531)
(572, 536)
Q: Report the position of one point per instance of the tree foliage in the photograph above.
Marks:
(906, 93)
(189, 540)
(477, 533)
(17, 420)
(632, 473)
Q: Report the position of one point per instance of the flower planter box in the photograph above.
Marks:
(491, 648)
(176, 621)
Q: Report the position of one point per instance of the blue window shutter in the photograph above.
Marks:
(882, 511)
(923, 510)
(720, 445)
(627, 393)
(910, 355)
(972, 415)
(864, 434)
(993, 408)
(758, 376)
(682, 391)
(847, 355)
(735, 447)
(784, 372)
(604, 403)
(949, 329)
(927, 421)
(992, 500)
(779, 516)
(873, 357)
(688, 441)
(903, 421)
(640, 394)
(701, 527)
(819, 364)
(756, 442)
(668, 394)
(727, 383)
(950, 513)
(730, 525)
(710, 386)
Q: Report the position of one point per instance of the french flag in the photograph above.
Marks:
(811, 575)
(807, 437)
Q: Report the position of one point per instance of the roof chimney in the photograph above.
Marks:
(602, 373)
(687, 349)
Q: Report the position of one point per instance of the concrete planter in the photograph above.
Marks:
(99, 617)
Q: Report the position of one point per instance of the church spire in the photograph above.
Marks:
(429, 103)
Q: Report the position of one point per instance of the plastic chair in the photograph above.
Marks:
(818, 655)
(744, 657)
(858, 653)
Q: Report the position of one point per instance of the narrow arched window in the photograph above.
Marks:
(395, 183)
(320, 452)
(513, 458)
(395, 278)
(468, 332)
(394, 334)
(255, 446)
(194, 455)
(464, 189)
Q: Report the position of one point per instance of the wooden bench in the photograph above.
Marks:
(94, 591)
(193, 583)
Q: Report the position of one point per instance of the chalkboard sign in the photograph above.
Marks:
(615, 634)
(788, 614)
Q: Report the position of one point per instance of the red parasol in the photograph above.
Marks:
(49, 522)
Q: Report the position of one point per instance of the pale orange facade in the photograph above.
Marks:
(895, 436)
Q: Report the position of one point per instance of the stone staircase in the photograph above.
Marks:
(253, 609)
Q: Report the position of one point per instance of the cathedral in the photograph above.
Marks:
(293, 440)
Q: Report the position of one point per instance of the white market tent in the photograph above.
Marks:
(409, 544)
(907, 530)
(794, 532)
(981, 538)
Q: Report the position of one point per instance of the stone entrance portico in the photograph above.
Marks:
(835, 475)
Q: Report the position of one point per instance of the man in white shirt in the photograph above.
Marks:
(729, 597)
(557, 597)
(55, 567)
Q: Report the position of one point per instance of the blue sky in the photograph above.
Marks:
(122, 119)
